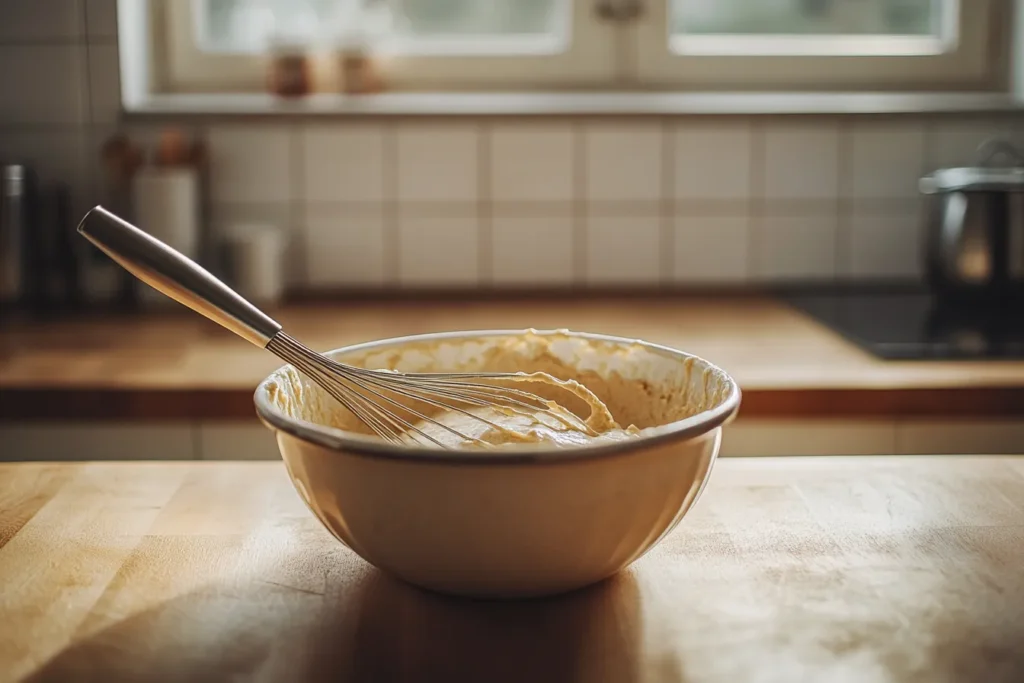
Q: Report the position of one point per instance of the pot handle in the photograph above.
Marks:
(992, 148)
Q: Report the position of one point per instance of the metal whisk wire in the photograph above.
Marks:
(374, 397)
(444, 391)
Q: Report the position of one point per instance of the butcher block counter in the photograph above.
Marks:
(177, 366)
(788, 569)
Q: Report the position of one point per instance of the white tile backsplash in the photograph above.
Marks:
(795, 247)
(533, 250)
(439, 248)
(251, 163)
(532, 161)
(955, 142)
(711, 249)
(104, 84)
(801, 161)
(712, 161)
(344, 246)
(27, 21)
(273, 214)
(624, 161)
(885, 243)
(344, 163)
(623, 250)
(438, 162)
(886, 160)
(43, 84)
(101, 19)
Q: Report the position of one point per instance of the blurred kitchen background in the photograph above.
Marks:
(677, 147)
(461, 200)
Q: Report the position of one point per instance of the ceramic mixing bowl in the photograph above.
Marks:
(510, 522)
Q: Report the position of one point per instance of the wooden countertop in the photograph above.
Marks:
(802, 569)
(179, 366)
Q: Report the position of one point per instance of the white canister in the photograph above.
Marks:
(166, 203)
(254, 259)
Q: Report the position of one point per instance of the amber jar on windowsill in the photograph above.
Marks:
(290, 70)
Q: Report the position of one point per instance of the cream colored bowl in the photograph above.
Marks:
(509, 522)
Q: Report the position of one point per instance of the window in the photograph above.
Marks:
(423, 44)
(466, 27)
(823, 44)
(691, 45)
(813, 27)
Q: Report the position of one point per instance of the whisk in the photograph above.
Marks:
(373, 396)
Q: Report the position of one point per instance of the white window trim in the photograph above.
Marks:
(145, 92)
(628, 103)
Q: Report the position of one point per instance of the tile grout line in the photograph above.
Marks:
(841, 256)
(297, 213)
(64, 127)
(86, 127)
(207, 201)
(485, 212)
(626, 53)
(391, 206)
(580, 209)
(756, 200)
(84, 18)
(87, 76)
(930, 138)
(667, 204)
(60, 42)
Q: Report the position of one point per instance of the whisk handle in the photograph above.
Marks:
(176, 275)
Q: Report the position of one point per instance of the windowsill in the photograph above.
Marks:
(554, 103)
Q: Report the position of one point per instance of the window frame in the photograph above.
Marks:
(604, 56)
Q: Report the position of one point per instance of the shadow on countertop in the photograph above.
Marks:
(372, 629)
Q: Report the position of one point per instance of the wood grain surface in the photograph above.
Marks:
(803, 569)
(179, 366)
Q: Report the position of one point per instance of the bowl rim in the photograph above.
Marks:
(369, 446)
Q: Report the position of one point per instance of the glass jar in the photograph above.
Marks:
(290, 69)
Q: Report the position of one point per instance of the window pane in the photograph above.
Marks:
(248, 25)
(809, 17)
(479, 17)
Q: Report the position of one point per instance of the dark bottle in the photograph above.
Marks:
(23, 262)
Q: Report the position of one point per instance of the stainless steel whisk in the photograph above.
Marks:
(371, 395)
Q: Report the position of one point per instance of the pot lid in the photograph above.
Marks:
(984, 177)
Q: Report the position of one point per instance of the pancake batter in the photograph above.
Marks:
(490, 426)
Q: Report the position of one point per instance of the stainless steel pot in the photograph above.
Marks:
(974, 237)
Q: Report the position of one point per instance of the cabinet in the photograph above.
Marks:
(873, 437)
(250, 440)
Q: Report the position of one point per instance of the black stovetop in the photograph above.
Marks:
(912, 325)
